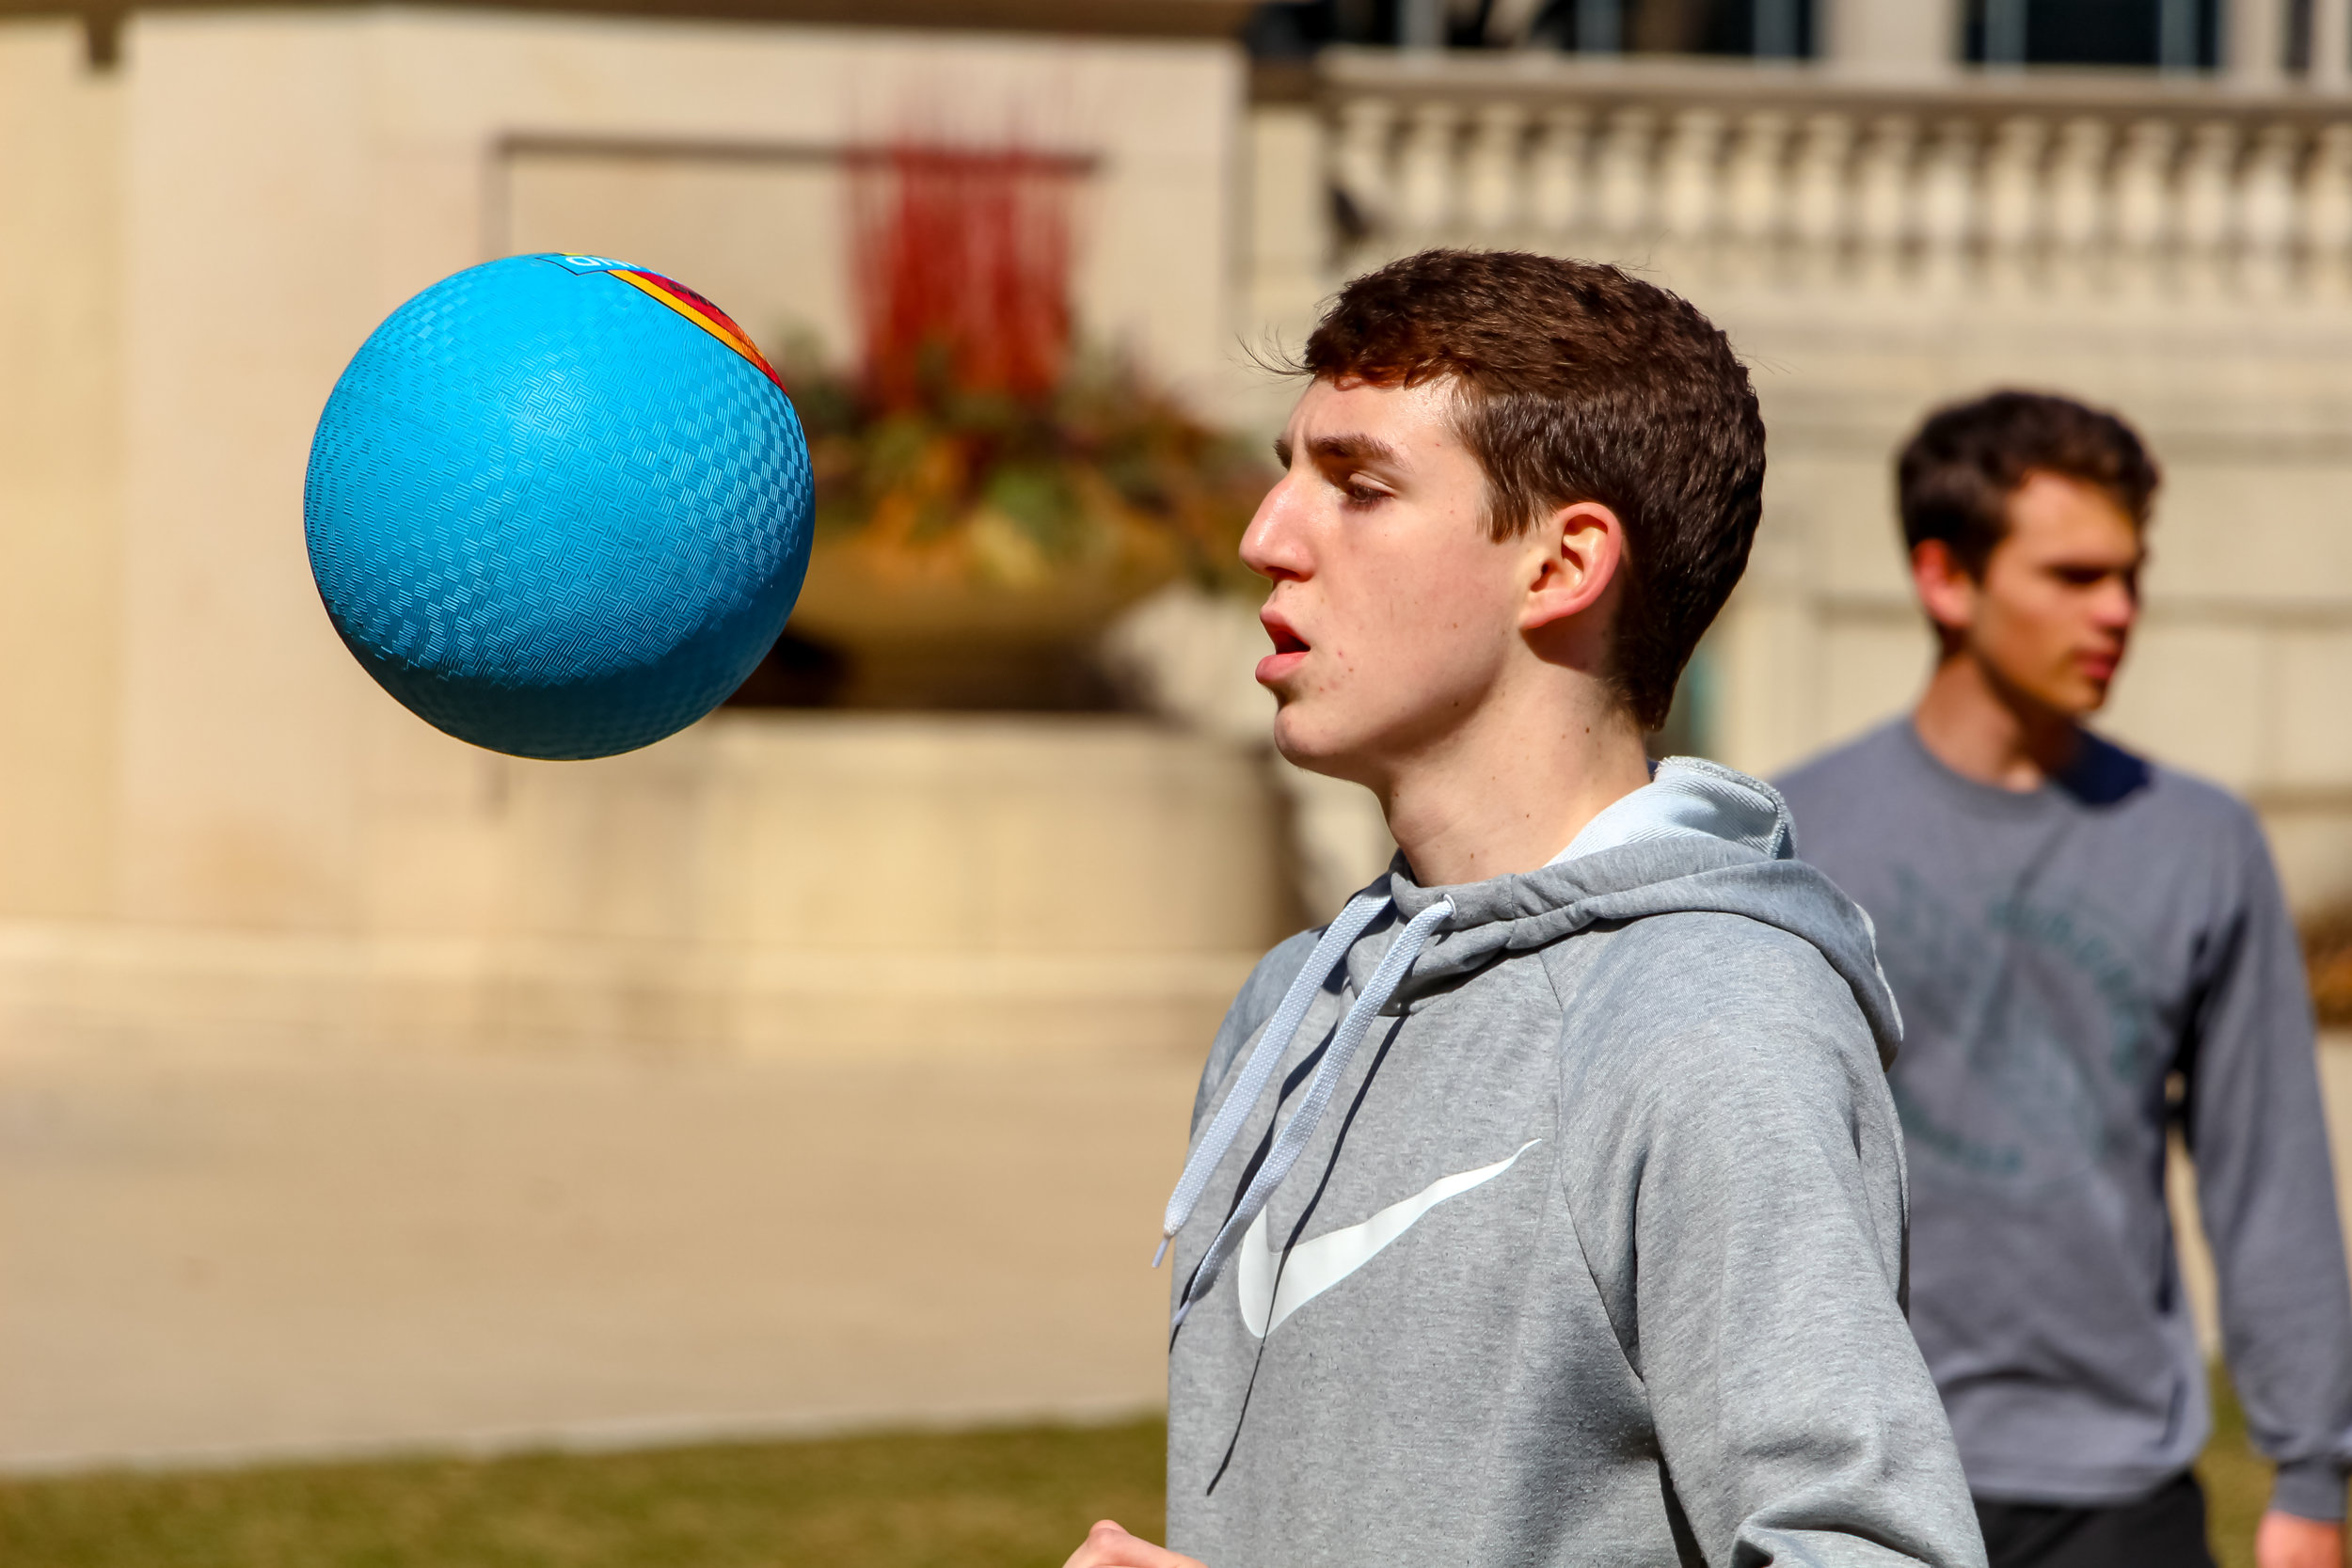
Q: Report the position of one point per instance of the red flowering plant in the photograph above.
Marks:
(976, 446)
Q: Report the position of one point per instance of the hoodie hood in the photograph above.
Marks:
(1700, 838)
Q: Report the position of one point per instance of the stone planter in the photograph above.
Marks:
(980, 621)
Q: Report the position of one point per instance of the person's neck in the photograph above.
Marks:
(1982, 728)
(1508, 792)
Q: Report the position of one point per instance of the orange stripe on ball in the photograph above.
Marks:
(703, 314)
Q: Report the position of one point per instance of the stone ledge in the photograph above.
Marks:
(180, 987)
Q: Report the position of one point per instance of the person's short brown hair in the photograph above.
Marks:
(1954, 478)
(1577, 382)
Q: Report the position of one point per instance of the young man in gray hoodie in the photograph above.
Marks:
(1548, 1207)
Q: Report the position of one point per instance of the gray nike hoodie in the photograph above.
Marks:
(1579, 1240)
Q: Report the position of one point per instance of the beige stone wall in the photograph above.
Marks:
(768, 884)
(269, 230)
(62, 371)
(217, 823)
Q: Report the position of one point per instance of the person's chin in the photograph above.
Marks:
(2066, 690)
(1299, 739)
(2085, 696)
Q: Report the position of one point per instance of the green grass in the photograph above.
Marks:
(983, 1499)
(2236, 1481)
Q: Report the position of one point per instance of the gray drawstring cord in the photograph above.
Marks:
(1272, 1041)
(1291, 1140)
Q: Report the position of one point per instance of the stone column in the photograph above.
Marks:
(2331, 45)
(1420, 25)
(2254, 44)
(1892, 37)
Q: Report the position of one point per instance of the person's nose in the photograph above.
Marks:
(2117, 605)
(1275, 545)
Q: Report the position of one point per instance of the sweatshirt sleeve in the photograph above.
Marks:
(2267, 1189)
(1796, 1417)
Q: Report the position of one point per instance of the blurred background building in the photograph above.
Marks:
(827, 1062)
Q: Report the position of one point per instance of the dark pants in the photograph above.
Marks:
(2163, 1529)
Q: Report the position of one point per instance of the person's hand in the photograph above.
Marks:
(1108, 1546)
(2284, 1541)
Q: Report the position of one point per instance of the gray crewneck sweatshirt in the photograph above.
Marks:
(1594, 1256)
(2059, 954)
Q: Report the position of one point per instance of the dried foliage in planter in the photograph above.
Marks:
(2328, 957)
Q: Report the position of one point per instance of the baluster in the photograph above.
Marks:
(1947, 204)
(1755, 197)
(2328, 214)
(1624, 175)
(2079, 201)
(1818, 208)
(1882, 198)
(1689, 202)
(1495, 185)
(1427, 178)
(2208, 174)
(2266, 210)
(1360, 161)
(1555, 170)
(2012, 202)
(2143, 205)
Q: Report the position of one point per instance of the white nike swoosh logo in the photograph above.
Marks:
(1315, 1266)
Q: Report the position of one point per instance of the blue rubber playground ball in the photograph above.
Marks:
(559, 506)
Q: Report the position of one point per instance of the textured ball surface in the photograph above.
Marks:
(558, 506)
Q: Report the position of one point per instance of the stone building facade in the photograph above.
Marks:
(214, 821)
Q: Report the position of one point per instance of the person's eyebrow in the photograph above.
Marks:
(1353, 449)
(1282, 451)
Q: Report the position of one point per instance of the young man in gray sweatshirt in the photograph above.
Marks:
(2087, 947)
(1548, 1207)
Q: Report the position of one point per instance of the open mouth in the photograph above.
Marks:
(1290, 650)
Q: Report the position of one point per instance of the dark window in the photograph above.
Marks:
(1291, 28)
(2180, 34)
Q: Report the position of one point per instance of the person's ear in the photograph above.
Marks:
(1577, 552)
(1947, 592)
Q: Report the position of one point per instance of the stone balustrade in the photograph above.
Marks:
(2098, 186)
